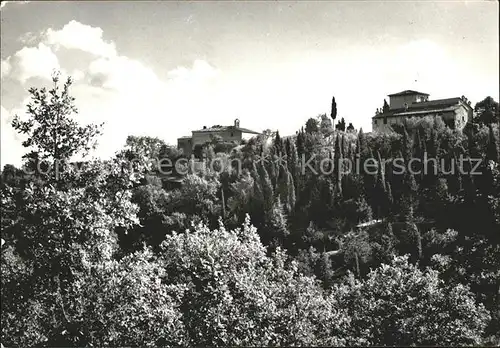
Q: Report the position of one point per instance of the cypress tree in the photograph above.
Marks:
(468, 182)
(277, 221)
(362, 147)
(369, 179)
(349, 153)
(273, 171)
(257, 187)
(333, 113)
(385, 108)
(407, 146)
(288, 148)
(409, 194)
(390, 198)
(431, 175)
(412, 241)
(343, 145)
(282, 186)
(278, 144)
(267, 188)
(380, 172)
(291, 193)
(294, 165)
(380, 191)
(493, 149)
(300, 143)
(337, 165)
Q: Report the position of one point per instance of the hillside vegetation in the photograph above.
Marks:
(274, 242)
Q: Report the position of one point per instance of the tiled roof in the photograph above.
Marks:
(431, 106)
(407, 92)
(434, 103)
(215, 129)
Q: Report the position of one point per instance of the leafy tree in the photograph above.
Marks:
(198, 151)
(340, 125)
(383, 243)
(59, 235)
(71, 248)
(60, 230)
(399, 304)
(325, 270)
(487, 110)
(144, 147)
(326, 126)
(231, 285)
(12, 176)
(198, 196)
(493, 149)
(124, 303)
(356, 250)
(312, 125)
(307, 260)
(53, 134)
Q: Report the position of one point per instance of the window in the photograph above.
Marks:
(232, 134)
(385, 120)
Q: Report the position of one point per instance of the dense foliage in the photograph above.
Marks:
(276, 241)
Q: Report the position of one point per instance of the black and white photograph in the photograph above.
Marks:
(250, 173)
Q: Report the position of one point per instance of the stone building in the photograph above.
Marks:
(229, 134)
(455, 112)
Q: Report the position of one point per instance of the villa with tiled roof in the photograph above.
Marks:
(228, 134)
(455, 112)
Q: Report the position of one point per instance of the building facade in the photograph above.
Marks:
(227, 134)
(455, 112)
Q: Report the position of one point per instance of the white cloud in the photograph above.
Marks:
(28, 38)
(10, 140)
(122, 74)
(122, 92)
(4, 3)
(31, 62)
(75, 35)
(200, 71)
(77, 75)
(138, 102)
(5, 68)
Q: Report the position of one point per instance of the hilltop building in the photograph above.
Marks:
(228, 134)
(455, 112)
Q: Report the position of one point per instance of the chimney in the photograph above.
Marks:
(237, 123)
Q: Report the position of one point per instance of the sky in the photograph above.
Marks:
(163, 69)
